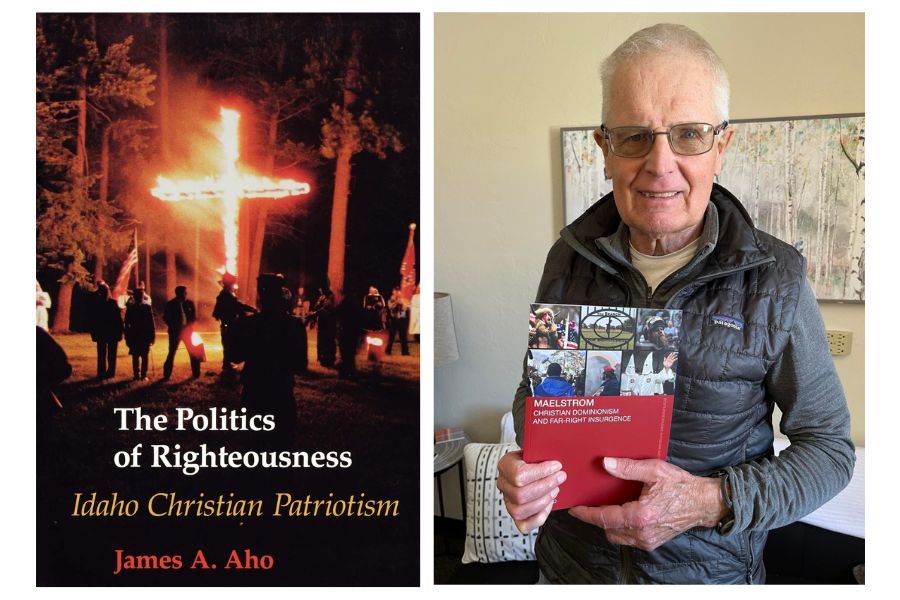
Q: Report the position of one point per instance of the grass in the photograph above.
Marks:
(375, 417)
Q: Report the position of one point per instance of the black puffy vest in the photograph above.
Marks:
(721, 416)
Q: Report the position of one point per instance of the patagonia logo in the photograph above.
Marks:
(729, 322)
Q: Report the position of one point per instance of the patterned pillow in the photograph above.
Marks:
(491, 535)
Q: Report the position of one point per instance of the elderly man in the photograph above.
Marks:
(669, 237)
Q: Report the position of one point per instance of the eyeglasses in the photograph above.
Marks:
(687, 139)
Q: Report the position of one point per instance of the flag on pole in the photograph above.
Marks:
(121, 287)
(408, 266)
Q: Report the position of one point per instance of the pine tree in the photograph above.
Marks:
(336, 62)
(76, 80)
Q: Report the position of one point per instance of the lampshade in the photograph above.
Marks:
(445, 349)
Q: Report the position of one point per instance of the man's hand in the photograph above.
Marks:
(671, 502)
(528, 489)
(669, 360)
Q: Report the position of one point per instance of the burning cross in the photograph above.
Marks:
(231, 185)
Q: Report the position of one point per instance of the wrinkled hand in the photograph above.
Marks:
(528, 489)
(671, 502)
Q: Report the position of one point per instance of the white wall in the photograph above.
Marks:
(504, 85)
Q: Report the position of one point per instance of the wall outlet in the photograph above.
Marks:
(839, 342)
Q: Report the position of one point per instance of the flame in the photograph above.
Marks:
(374, 341)
(231, 184)
(196, 340)
(229, 138)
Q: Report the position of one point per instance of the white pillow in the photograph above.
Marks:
(491, 535)
(507, 428)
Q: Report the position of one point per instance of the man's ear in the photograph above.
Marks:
(604, 147)
(722, 143)
(601, 141)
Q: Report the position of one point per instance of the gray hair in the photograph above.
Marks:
(663, 38)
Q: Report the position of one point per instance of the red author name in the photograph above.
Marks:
(237, 560)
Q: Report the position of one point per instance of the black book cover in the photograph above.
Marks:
(201, 150)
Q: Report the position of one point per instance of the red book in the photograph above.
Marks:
(602, 384)
(580, 431)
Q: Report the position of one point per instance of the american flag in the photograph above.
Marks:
(408, 266)
(121, 287)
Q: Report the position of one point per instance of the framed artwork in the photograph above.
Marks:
(583, 180)
(801, 179)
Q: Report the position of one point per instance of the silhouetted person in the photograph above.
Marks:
(272, 346)
(398, 307)
(145, 297)
(324, 314)
(374, 305)
(227, 311)
(106, 330)
(301, 305)
(180, 316)
(52, 369)
(140, 332)
(350, 328)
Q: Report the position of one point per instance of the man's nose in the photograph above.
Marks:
(661, 160)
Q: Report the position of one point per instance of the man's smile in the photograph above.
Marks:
(659, 195)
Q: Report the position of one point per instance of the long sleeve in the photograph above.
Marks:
(772, 492)
(519, 403)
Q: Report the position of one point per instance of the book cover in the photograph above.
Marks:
(267, 432)
(602, 384)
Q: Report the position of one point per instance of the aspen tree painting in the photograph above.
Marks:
(803, 181)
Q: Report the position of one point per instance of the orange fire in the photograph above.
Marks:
(231, 184)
